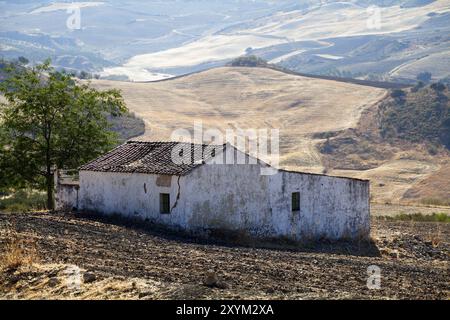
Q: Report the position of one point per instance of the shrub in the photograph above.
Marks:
(418, 86)
(424, 77)
(18, 252)
(398, 94)
(423, 117)
(23, 201)
(248, 61)
(439, 87)
(435, 202)
(435, 217)
(23, 60)
(433, 149)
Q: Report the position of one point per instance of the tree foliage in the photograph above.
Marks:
(48, 121)
(248, 61)
(23, 60)
(398, 94)
(424, 77)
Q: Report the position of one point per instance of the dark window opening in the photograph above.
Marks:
(296, 201)
(164, 203)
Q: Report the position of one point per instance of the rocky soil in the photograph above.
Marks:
(84, 258)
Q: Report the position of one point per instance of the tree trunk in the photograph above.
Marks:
(49, 174)
(49, 182)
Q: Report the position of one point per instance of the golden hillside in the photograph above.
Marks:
(251, 98)
(255, 98)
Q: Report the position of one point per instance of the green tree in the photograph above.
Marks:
(439, 87)
(398, 94)
(23, 60)
(424, 77)
(48, 121)
(84, 75)
(248, 61)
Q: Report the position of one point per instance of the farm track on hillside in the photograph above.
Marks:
(413, 258)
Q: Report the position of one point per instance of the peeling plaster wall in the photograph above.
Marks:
(236, 197)
(132, 195)
(330, 207)
(228, 197)
(66, 196)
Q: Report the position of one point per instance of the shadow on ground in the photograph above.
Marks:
(227, 238)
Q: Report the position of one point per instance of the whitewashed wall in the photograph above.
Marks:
(330, 207)
(236, 197)
(66, 196)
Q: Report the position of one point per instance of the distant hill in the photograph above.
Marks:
(417, 115)
(252, 61)
(151, 40)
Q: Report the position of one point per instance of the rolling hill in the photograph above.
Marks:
(250, 98)
(308, 111)
(323, 37)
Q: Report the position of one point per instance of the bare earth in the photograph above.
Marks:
(129, 263)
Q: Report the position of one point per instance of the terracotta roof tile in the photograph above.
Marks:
(151, 158)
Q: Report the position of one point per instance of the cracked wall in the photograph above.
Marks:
(238, 198)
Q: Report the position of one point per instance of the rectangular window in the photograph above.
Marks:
(296, 201)
(164, 203)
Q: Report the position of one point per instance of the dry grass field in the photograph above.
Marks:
(251, 98)
(302, 108)
(393, 210)
(391, 180)
(435, 186)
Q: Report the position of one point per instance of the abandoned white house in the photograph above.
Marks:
(140, 179)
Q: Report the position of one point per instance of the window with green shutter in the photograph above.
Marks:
(296, 201)
(164, 203)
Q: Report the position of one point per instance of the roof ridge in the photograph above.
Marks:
(174, 142)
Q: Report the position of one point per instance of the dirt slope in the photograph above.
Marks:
(435, 186)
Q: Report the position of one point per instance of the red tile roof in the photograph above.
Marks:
(150, 157)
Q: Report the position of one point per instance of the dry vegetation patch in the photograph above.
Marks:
(18, 250)
(399, 144)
